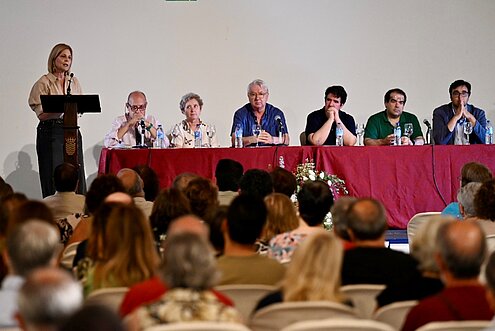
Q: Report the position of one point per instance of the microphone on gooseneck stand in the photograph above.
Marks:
(428, 132)
(70, 81)
(280, 126)
(143, 131)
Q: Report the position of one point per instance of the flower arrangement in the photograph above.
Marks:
(306, 171)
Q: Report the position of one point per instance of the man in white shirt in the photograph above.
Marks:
(133, 185)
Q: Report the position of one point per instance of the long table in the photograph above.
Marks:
(406, 179)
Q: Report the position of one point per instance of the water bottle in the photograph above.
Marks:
(489, 133)
(397, 134)
(339, 135)
(160, 137)
(238, 136)
(197, 137)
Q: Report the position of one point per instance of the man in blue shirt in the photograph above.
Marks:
(321, 124)
(258, 111)
(449, 120)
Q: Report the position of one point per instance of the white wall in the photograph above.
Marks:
(216, 47)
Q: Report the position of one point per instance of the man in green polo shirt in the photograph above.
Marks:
(380, 126)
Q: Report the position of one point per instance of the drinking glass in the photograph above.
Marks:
(210, 132)
(256, 132)
(468, 129)
(408, 130)
(360, 134)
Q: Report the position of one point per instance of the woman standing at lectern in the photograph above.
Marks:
(50, 132)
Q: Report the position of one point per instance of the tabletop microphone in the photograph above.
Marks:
(427, 123)
(278, 119)
(70, 81)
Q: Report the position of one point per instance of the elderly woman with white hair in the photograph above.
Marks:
(185, 132)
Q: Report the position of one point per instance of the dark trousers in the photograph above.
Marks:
(50, 150)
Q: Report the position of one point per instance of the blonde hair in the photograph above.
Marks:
(128, 254)
(282, 215)
(314, 272)
(56, 50)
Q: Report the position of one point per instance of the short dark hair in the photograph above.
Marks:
(484, 201)
(462, 264)
(246, 218)
(458, 83)
(151, 182)
(386, 98)
(65, 177)
(315, 200)
(169, 205)
(338, 91)
(94, 318)
(475, 172)
(228, 174)
(284, 181)
(370, 224)
(203, 197)
(257, 183)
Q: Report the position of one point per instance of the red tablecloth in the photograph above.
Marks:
(407, 179)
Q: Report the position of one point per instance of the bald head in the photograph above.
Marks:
(133, 184)
(367, 220)
(119, 197)
(462, 248)
(188, 224)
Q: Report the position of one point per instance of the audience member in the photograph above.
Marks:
(465, 197)
(490, 285)
(461, 250)
(228, 173)
(240, 263)
(151, 182)
(284, 181)
(203, 197)
(120, 251)
(5, 189)
(282, 217)
(152, 289)
(29, 245)
(321, 124)
(127, 129)
(369, 262)
(313, 274)
(216, 234)
(314, 200)
(133, 185)
(93, 318)
(449, 119)
(65, 201)
(257, 183)
(484, 202)
(183, 133)
(380, 126)
(423, 249)
(180, 181)
(169, 205)
(47, 299)
(470, 172)
(189, 270)
(339, 219)
(270, 119)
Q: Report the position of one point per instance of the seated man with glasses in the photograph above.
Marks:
(261, 123)
(380, 126)
(459, 123)
(127, 129)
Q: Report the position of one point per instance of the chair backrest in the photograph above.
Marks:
(302, 138)
(363, 296)
(245, 296)
(490, 243)
(110, 297)
(394, 314)
(68, 256)
(415, 223)
(455, 326)
(199, 326)
(279, 315)
(339, 324)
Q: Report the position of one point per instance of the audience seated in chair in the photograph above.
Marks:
(315, 200)
(490, 287)
(339, 219)
(203, 198)
(313, 274)
(134, 186)
(93, 318)
(151, 182)
(256, 182)
(47, 299)
(284, 181)
(29, 245)
(240, 263)
(460, 251)
(228, 173)
(189, 270)
(484, 202)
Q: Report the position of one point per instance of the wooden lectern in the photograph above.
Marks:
(70, 106)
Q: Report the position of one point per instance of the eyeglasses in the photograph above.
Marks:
(254, 95)
(462, 94)
(136, 108)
